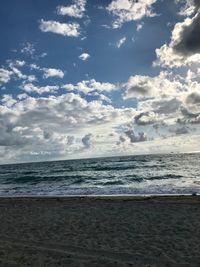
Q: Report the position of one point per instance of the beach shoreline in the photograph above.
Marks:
(100, 231)
(103, 196)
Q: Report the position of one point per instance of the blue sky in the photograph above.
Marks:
(20, 21)
(93, 78)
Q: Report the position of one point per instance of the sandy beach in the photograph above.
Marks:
(95, 231)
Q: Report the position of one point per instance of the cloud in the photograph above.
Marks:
(51, 72)
(193, 98)
(43, 55)
(180, 130)
(166, 99)
(18, 74)
(66, 29)
(134, 138)
(167, 106)
(57, 126)
(20, 63)
(189, 7)
(104, 98)
(31, 88)
(84, 56)
(14, 72)
(28, 49)
(8, 100)
(35, 67)
(120, 42)
(138, 86)
(86, 140)
(122, 139)
(5, 75)
(184, 46)
(10, 138)
(158, 111)
(146, 118)
(188, 41)
(70, 140)
(189, 118)
(128, 10)
(22, 96)
(139, 26)
(75, 10)
(146, 86)
(84, 119)
(87, 86)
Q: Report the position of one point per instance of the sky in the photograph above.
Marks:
(91, 78)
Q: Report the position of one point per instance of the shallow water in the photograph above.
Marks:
(147, 174)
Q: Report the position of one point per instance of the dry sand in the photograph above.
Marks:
(117, 231)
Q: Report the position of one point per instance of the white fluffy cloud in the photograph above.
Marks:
(165, 100)
(188, 8)
(87, 86)
(66, 29)
(160, 86)
(84, 56)
(51, 72)
(19, 75)
(75, 10)
(20, 63)
(31, 88)
(128, 10)
(5, 75)
(15, 73)
(57, 126)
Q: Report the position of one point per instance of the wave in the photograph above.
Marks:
(73, 179)
(164, 177)
(119, 182)
(99, 176)
(33, 179)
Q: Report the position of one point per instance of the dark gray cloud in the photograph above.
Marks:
(193, 98)
(188, 114)
(86, 140)
(70, 140)
(10, 135)
(122, 139)
(189, 41)
(188, 117)
(196, 3)
(134, 138)
(180, 130)
(138, 90)
(166, 106)
(47, 134)
(144, 118)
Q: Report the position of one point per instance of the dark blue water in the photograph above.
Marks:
(149, 174)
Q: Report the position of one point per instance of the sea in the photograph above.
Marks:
(127, 175)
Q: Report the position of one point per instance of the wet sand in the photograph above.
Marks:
(95, 231)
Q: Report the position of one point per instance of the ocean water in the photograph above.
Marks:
(138, 175)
